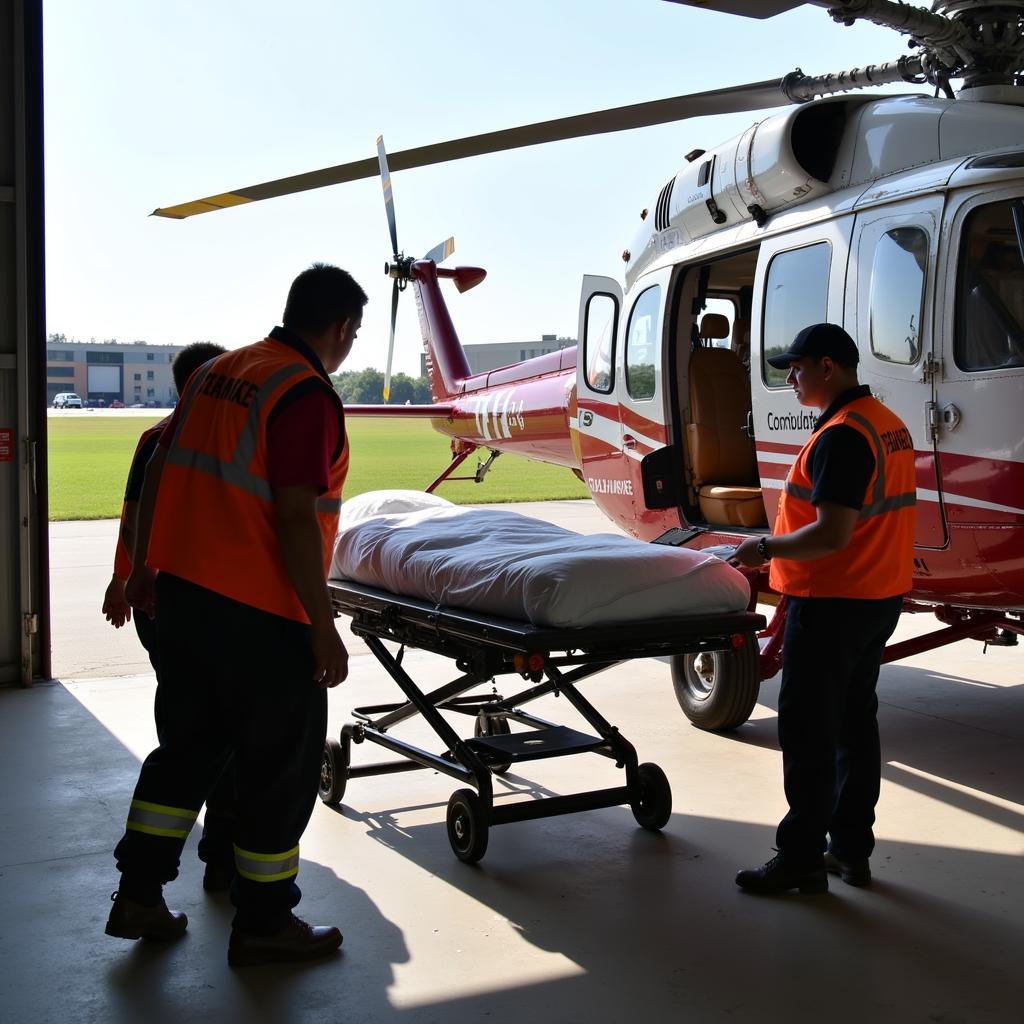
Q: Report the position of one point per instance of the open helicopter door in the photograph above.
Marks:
(640, 391)
(594, 424)
(800, 280)
(890, 301)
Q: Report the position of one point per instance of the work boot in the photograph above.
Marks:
(776, 876)
(297, 941)
(131, 920)
(218, 877)
(852, 872)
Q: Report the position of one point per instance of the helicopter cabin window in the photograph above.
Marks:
(897, 295)
(642, 344)
(990, 292)
(795, 296)
(599, 329)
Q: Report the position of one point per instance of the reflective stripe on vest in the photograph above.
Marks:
(267, 867)
(158, 820)
(878, 560)
(236, 472)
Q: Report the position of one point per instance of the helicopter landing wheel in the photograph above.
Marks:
(717, 690)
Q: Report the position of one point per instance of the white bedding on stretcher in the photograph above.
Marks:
(510, 565)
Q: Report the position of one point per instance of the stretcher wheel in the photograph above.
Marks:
(494, 727)
(654, 808)
(467, 826)
(333, 772)
(717, 690)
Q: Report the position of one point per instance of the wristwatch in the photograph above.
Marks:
(762, 549)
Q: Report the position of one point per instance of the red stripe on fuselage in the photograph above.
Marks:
(634, 421)
(982, 478)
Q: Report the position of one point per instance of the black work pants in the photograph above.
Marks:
(236, 683)
(828, 724)
(215, 847)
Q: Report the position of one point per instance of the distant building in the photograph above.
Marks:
(491, 355)
(98, 371)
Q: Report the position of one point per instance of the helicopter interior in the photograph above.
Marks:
(712, 391)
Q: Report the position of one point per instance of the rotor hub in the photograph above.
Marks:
(993, 53)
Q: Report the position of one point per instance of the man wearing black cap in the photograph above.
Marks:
(842, 554)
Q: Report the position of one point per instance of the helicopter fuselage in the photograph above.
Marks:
(903, 220)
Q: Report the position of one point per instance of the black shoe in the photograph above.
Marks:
(776, 876)
(852, 872)
(218, 877)
(297, 941)
(130, 920)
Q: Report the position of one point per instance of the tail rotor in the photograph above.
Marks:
(400, 269)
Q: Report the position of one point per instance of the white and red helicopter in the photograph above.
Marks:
(901, 218)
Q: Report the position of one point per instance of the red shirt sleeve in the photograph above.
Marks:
(302, 440)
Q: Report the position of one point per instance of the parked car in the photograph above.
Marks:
(136, 405)
(117, 404)
(67, 400)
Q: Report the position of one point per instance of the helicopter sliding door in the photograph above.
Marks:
(801, 280)
(890, 303)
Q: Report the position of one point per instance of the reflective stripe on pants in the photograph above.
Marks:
(158, 820)
(267, 867)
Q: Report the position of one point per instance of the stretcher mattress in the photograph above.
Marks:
(506, 564)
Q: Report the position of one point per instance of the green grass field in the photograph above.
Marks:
(89, 460)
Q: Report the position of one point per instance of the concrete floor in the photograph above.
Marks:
(580, 918)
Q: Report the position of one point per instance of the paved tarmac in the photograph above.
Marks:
(576, 918)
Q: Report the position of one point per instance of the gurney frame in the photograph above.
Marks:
(552, 661)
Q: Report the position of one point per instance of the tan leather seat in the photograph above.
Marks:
(714, 327)
(722, 458)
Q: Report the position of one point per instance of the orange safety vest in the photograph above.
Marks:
(122, 556)
(878, 561)
(214, 518)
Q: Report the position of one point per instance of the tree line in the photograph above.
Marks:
(366, 387)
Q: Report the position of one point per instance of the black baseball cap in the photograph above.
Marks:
(816, 341)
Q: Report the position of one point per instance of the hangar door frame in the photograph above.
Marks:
(24, 548)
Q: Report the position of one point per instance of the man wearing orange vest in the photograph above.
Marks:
(842, 554)
(215, 846)
(238, 517)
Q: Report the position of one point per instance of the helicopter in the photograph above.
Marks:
(900, 218)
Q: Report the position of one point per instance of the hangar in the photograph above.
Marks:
(584, 919)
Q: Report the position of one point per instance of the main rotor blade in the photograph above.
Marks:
(441, 251)
(385, 181)
(745, 8)
(755, 96)
(391, 340)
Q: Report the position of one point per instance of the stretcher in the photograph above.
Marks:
(548, 661)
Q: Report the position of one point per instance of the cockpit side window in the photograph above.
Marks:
(795, 296)
(897, 295)
(642, 345)
(990, 288)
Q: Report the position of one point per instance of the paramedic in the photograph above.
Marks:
(842, 554)
(238, 516)
(215, 848)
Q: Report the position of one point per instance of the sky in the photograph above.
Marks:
(154, 102)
